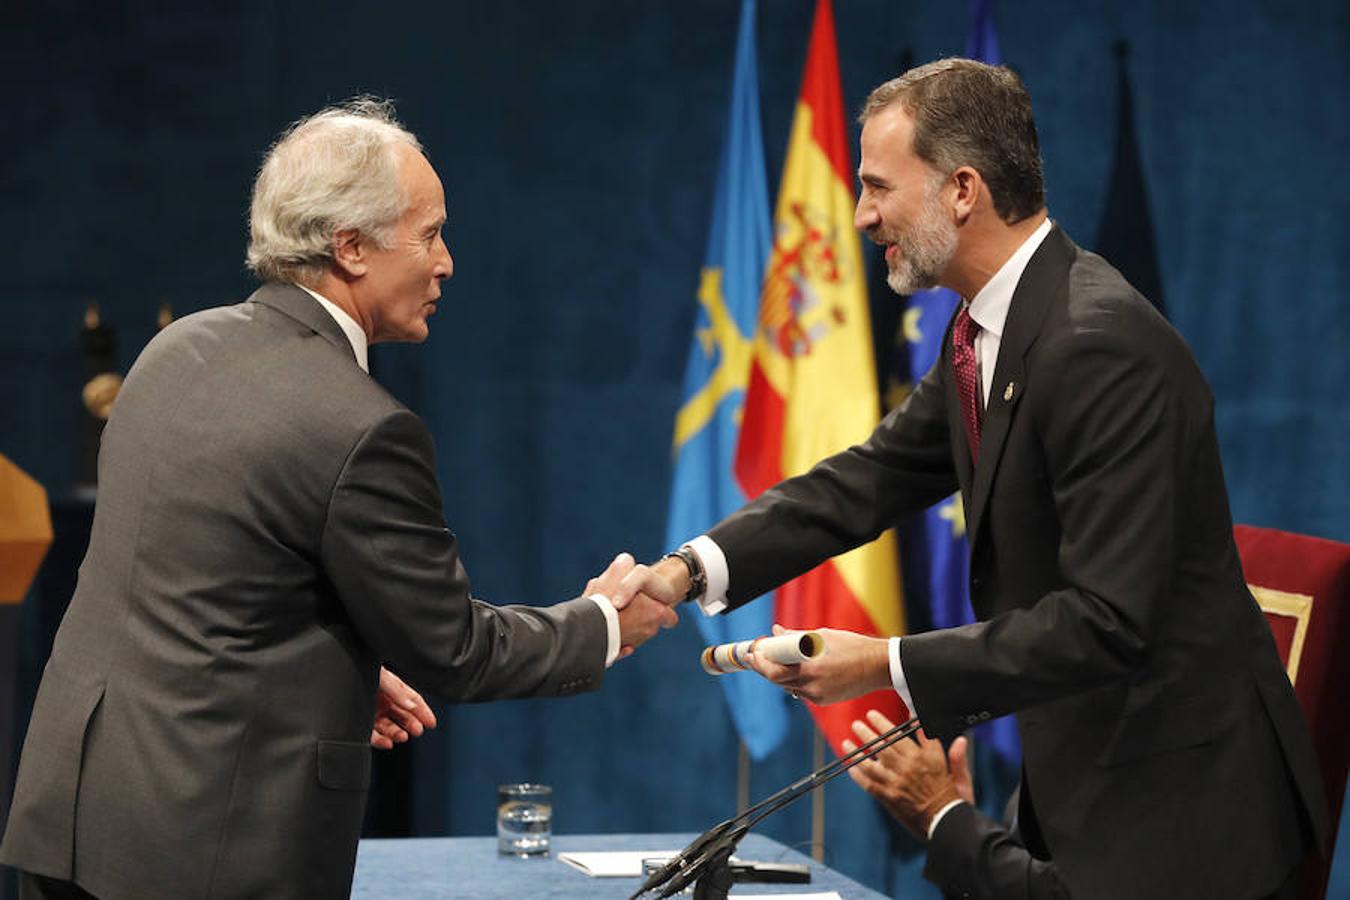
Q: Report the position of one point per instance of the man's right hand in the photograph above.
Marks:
(640, 616)
(640, 620)
(666, 581)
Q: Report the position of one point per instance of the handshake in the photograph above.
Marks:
(854, 665)
(645, 596)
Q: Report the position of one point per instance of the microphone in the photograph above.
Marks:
(709, 852)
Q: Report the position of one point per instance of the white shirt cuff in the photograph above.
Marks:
(611, 627)
(714, 598)
(898, 676)
(932, 826)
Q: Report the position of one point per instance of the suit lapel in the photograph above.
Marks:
(1039, 282)
(299, 305)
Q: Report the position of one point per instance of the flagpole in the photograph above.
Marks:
(742, 779)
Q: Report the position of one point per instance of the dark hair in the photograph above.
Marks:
(968, 113)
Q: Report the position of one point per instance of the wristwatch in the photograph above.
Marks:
(698, 579)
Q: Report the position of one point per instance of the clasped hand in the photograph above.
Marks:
(641, 613)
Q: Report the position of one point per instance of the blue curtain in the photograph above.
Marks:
(577, 143)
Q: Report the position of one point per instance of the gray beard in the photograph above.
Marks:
(925, 251)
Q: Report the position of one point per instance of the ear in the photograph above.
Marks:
(349, 253)
(969, 185)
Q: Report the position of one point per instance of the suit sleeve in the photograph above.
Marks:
(1114, 428)
(396, 569)
(845, 500)
(970, 856)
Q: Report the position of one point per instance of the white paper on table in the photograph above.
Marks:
(613, 863)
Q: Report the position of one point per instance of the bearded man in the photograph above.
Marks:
(1165, 753)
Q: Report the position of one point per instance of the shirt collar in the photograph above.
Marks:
(356, 335)
(989, 308)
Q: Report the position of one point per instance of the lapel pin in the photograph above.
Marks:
(1008, 391)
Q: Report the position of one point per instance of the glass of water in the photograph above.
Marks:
(524, 819)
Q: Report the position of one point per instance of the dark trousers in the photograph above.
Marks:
(40, 887)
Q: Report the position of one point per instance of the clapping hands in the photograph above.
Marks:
(913, 779)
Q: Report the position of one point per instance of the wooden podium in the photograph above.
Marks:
(25, 530)
(25, 535)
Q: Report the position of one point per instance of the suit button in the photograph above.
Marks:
(972, 719)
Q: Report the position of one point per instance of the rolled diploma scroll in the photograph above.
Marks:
(784, 649)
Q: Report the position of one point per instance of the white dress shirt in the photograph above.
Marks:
(356, 335)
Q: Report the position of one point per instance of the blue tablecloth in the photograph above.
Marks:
(469, 867)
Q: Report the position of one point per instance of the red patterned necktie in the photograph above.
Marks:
(967, 377)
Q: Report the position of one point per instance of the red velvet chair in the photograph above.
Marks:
(1303, 586)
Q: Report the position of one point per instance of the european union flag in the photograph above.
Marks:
(708, 424)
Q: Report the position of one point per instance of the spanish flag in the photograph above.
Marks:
(813, 386)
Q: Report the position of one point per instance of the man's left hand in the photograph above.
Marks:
(400, 712)
(852, 665)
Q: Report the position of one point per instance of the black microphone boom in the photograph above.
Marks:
(711, 850)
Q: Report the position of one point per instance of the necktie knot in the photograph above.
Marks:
(964, 331)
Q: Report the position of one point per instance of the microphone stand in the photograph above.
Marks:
(707, 858)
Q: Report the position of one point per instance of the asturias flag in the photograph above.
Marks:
(813, 389)
(706, 429)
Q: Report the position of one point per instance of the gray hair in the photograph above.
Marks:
(329, 172)
(967, 113)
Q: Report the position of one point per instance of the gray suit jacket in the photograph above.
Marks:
(1164, 750)
(268, 531)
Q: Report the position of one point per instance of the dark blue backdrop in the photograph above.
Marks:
(577, 142)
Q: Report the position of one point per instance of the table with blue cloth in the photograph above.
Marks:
(469, 867)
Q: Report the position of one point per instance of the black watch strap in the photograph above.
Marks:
(698, 579)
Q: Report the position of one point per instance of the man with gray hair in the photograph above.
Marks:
(268, 532)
